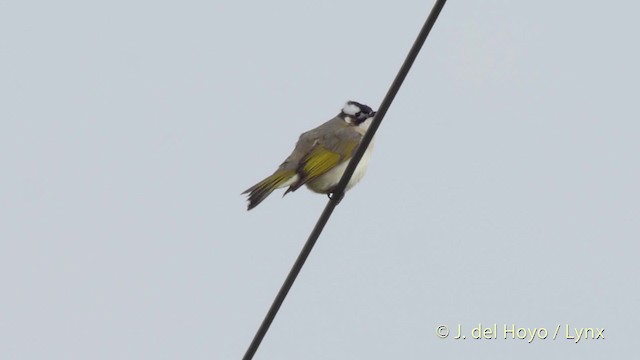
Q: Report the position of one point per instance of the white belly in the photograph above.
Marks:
(327, 181)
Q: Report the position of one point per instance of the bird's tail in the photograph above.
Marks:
(261, 190)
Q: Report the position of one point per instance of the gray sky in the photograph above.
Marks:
(503, 188)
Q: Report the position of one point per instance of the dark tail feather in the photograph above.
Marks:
(260, 191)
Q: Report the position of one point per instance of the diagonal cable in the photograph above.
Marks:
(338, 193)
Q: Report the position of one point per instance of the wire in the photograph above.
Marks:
(338, 193)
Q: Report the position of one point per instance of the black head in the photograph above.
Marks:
(355, 113)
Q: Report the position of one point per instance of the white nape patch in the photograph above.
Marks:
(350, 109)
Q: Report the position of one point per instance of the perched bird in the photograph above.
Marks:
(321, 156)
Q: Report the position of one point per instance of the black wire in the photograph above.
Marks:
(338, 193)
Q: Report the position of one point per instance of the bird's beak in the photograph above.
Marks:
(372, 114)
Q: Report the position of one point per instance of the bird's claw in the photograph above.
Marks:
(335, 197)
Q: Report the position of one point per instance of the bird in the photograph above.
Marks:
(320, 156)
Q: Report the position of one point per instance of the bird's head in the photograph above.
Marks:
(355, 113)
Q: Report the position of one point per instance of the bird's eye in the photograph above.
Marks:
(358, 114)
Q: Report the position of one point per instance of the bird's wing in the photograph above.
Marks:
(326, 152)
(320, 160)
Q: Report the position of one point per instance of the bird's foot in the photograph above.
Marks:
(336, 197)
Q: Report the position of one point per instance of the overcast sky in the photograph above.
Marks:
(503, 187)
